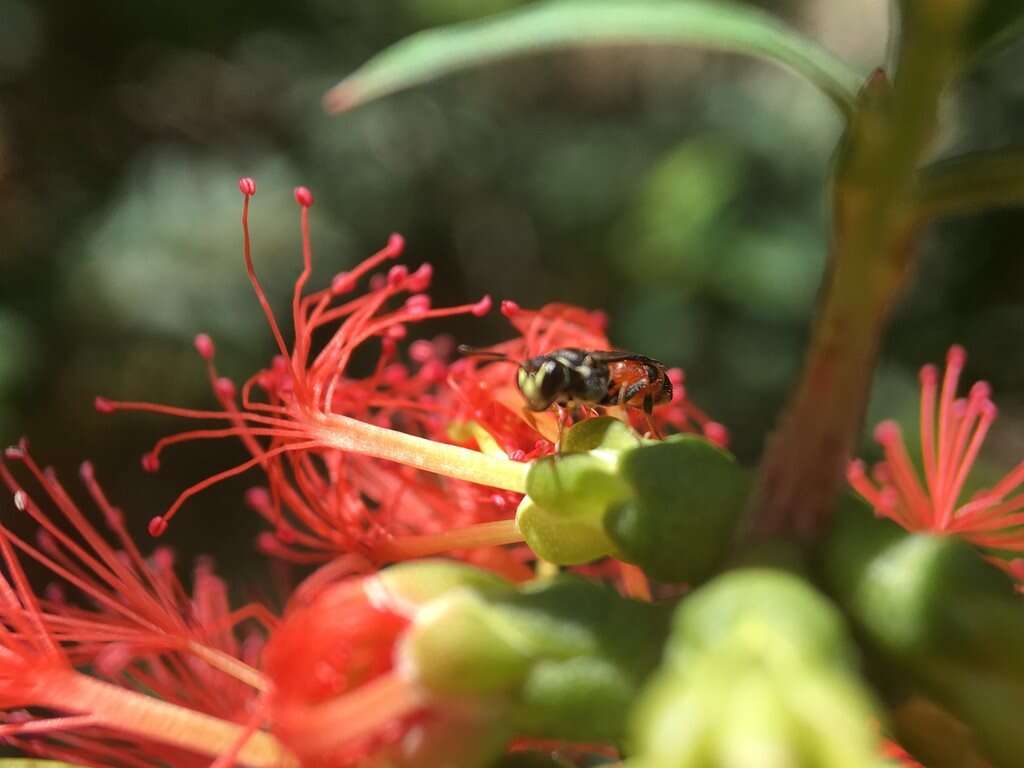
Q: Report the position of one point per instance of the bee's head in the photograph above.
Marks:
(541, 380)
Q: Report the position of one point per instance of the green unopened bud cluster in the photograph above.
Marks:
(559, 658)
(758, 671)
(669, 506)
(934, 609)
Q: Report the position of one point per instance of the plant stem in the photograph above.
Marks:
(872, 252)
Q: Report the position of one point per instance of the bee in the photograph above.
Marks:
(570, 378)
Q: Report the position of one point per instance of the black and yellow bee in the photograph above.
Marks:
(573, 377)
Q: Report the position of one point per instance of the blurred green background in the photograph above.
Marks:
(685, 193)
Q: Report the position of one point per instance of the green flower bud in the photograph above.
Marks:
(935, 610)
(596, 650)
(459, 645)
(562, 516)
(670, 506)
(416, 583)
(566, 657)
(758, 672)
(922, 597)
(688, 496)
(756, 605)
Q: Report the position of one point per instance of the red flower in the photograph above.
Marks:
(328, 441)
(178, 686)
(952, 432)
(331, 444)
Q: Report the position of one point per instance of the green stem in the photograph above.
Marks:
(872, 252)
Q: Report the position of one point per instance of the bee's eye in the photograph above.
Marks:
(524, 379)
(549, 379)
(540, 386)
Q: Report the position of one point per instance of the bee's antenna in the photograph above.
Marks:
(484, 353)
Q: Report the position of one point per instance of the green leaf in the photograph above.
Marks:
(20, 762)
(562, 24)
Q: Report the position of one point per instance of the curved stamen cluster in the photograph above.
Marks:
(315, 429)
(175, 682)
(421, 455)
(953, 430)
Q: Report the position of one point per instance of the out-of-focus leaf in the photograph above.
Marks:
(997, 23)
(573, 23)
(971, 183)
(18, 762)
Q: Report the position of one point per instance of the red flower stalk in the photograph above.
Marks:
(952, 433)
(131, 622)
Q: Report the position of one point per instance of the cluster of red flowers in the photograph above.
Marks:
(324, 499)
(424, 454)
(128, 619)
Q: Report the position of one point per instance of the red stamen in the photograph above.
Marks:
(952, 434)
(204, 346)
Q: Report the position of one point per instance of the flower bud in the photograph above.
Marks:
(343, 694)
(933, 608)
(414, 584)
(669, 506)
(758, 671)
(460, 646)
(688, 496)
(562, 515)
(566, 656)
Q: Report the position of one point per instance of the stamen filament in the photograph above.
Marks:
(140, 715)
(359, 712)
(229, 665)
(634, 582)
(348, 434)
(424, 545)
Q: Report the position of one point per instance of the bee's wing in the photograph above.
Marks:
(615, 356)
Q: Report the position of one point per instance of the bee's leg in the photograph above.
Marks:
(628, 393)
(563, 414)
(648, 414)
